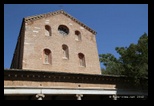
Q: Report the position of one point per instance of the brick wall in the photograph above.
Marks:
(35, 41)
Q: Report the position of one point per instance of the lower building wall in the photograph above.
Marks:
(58, 85)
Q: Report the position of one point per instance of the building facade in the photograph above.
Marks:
(56, 42)
(56, 58)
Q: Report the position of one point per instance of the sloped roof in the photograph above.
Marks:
(36, 17)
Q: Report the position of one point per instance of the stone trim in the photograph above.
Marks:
(49, 91)
(29, 91)
(36, 17)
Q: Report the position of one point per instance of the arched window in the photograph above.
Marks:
(63, 29)
(47, 56)
(78, 35)
(65, 51)
(48, 30)
(81, 59)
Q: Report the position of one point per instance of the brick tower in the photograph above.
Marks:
(57, 42)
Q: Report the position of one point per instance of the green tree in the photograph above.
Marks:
(133, 60)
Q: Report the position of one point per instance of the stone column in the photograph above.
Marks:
(114, 97)
(79, 96)
(40, 96)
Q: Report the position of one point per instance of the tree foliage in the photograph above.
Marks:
(133, 60)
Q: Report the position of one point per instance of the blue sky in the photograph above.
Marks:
(117, 25)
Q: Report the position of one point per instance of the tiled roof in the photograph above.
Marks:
(36, 17)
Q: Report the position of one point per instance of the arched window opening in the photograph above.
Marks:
(82, 59)
(48, 30)
(65, 51)
(63, 29)
(78, 36)
(47, 56)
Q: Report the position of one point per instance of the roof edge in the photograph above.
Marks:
(36, 17)
(45, 71)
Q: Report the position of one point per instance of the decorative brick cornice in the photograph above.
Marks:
(33, 75)
(36, 17)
